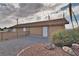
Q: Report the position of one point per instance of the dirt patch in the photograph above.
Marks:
(40, 50)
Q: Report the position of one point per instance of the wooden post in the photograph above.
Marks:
(70, 12)
(17, 27)
(51, 45)
(49, 29)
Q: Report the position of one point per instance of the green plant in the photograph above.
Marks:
(66, 37)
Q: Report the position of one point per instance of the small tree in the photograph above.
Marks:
(5, 27)
(66, 37)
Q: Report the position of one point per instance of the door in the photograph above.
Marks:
(45, 31)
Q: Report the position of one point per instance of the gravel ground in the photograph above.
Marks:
(13, 46)
(40, 50)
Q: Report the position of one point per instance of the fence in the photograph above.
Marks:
(11, 35)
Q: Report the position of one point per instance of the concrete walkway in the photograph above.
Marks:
(12, 47)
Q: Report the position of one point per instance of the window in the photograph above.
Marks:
(24, 29)
(14, 30)
(45, 31)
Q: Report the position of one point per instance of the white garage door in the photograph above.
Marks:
(45, 31)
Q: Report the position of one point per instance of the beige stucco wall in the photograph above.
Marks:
(53, 29)
(11, 35)
(21, 32)
(36, 31)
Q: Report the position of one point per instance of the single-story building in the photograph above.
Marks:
(41, 28)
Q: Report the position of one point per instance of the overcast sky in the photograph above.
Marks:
(32, 12)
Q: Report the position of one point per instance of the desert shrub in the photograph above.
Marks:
(66, 38)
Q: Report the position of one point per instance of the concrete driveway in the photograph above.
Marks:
(12, 47)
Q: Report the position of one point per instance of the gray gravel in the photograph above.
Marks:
(11, 47)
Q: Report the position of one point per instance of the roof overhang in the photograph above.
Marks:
(56, 22)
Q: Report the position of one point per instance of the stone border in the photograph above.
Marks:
(33, 45)
(67, 53)
(23, 50)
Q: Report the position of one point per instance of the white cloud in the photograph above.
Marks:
(76, 10)
(52, 9)
(16, 5)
